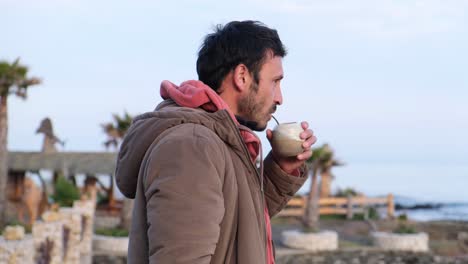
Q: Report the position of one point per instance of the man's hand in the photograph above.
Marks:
(290, 164)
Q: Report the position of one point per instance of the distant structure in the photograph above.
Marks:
(50, 139)
(25, 197)
(67, 163)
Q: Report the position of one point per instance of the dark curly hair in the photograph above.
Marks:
(238, 42)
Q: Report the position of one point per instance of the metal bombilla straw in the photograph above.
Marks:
(275, 119)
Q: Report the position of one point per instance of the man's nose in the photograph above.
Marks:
(278, 97)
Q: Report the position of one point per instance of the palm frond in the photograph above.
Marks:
(117, 128)
(14, 79)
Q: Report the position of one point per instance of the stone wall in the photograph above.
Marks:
(71, 235)
(48, 241)
(16, 251)
(63, 236)
(87, 211)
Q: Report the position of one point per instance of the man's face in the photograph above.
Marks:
(262, 98)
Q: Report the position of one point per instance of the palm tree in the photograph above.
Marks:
(116, 131)
(326, 176)
(311, 214)
(13, 81)
(322, 161)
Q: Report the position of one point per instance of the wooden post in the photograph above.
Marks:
(390, 206)
(349, 213)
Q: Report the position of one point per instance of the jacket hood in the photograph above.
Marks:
(147, 127)
(196, 94)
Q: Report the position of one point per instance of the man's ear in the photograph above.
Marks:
(242, 78)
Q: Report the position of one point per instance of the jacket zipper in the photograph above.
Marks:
(244, 147)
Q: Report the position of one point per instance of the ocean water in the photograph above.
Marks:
(447, 211)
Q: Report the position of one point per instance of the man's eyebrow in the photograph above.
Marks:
(279, 77)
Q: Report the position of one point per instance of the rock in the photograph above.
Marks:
(13, 233)
(50, 216)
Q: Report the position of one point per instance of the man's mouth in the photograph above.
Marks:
(273, 108)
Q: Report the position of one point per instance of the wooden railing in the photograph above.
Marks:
(341, 206)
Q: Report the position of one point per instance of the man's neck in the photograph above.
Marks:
(231, 101)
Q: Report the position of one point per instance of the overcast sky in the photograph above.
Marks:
(381, 81)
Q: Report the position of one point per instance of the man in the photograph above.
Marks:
(190, 164)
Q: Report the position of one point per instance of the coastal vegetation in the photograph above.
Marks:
(65, 192)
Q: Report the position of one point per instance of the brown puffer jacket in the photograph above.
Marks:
(198, 195)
